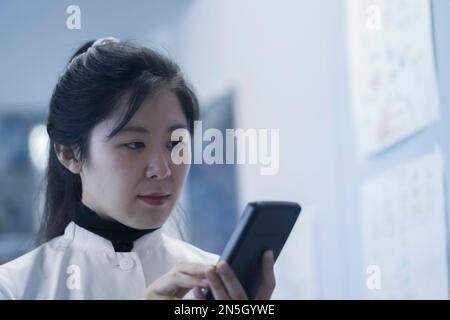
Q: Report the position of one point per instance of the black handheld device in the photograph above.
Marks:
(264, 225)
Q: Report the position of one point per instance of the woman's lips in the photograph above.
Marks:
(155, 199)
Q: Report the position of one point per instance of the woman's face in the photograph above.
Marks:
(136, 162)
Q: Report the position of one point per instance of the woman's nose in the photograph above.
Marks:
(158, 166)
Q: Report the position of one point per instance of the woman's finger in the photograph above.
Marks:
(231, 282)
(180, 280)
(267, 277)
(191, 268)
(175, 284)
(215, 284)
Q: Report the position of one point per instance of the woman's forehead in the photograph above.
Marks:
(160, 111)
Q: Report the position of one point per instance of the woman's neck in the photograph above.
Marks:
(121, 236)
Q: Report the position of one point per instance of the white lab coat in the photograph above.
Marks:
(82, 265)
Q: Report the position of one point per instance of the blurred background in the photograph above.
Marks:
(358, 90)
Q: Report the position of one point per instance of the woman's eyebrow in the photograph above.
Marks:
(143, 130)
(134, 129)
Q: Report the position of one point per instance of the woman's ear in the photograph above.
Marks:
(66, 155)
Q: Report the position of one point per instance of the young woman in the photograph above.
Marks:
(111, 185)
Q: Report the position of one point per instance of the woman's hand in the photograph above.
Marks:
(225, 285)
(178, 281)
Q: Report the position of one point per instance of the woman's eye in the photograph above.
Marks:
(172, 144)
(135, 145)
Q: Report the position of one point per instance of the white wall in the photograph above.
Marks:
(285, 61)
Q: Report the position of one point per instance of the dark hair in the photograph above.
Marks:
(94, 82)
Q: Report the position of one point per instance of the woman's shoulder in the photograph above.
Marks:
(31, 265)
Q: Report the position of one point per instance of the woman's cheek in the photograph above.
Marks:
(179, 174)
(125, 174)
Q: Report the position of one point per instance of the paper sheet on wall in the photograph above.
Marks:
(393, 80)
(404, 230)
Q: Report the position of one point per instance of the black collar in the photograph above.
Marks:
(121, 236)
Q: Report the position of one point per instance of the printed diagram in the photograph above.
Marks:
(404, 230)
(393, 80)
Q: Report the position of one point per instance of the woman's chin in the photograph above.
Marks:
(148, 217)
